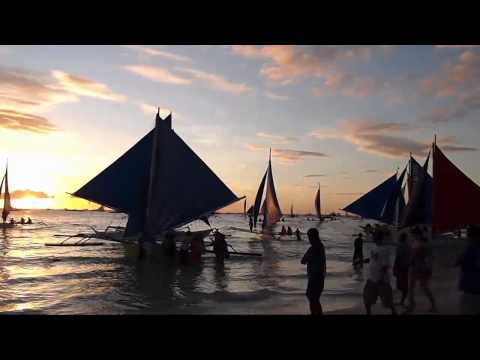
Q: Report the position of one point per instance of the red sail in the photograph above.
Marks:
(455, 197)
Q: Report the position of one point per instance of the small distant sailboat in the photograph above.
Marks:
(7, 207)
(270, 208)
(161, 184)
(318, 208)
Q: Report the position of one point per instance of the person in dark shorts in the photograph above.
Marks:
(469, 264)
(315, 260)
(401, 265)
(420, 271)
(220, 247)
(378, 282)
(297, 233)
(358, 251)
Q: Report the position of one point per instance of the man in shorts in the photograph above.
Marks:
(378, 282)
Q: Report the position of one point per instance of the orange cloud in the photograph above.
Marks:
(160, 53)
(85, 87)
(14, 120)
(218, 82)
(287, 155)
(20, 194)
(277, 139)
(158, 74)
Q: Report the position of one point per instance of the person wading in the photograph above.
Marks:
(378, 282)
(250, 223)
(400, 266)
(220, 247)
(358, 251)
(469, 264)
(316, 263)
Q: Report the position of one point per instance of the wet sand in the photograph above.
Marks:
(444, 284)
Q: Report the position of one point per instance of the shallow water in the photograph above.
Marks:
(35, 278)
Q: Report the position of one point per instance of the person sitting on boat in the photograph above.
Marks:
(284, 231)
(220, 247)
(29, 221)
(289, 231)
(22, 221)
(168, 245)
(12, 221)
(297, 233)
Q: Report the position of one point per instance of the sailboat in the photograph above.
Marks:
(317, 204)
(7, 207)
(161, 184)
(380, 202)
(448, 200)
(270, 208)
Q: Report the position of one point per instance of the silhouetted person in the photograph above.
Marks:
(401, 265)
(289, 231)
(358, 251)
(196, 249)
(220, 247)
(22, 221)
(12, 221)
(420, 271)
(316, 271)
(469, 264)
(378, 282)
(250, 223)
(168, 245)
(283, 232)
(29, 221)
(297, 233)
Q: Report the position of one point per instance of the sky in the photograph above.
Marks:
(343, 116)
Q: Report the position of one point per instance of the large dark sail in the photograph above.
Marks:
(371, 204)
(272, 207)
(455, 196)
(175, 189)
(395, 203)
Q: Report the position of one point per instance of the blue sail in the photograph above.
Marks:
(175, 189)
(372, 203)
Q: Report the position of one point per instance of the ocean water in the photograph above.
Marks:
(40, 279)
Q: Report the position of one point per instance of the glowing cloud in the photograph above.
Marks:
(14, 120)
(160, 53)
(218, 82)
(158, 74)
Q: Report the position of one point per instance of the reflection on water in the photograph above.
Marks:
(35, 278)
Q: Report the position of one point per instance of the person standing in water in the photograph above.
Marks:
(297, 233)
(283, 232)
(250, 223)
(420, 271)
(469, 264)
(400, 266)
(168, 245)
(316, 263)
(378, 282)
(289, 231)
(220, 247)
(358, 251)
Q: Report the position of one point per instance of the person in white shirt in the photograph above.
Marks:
(378, 282)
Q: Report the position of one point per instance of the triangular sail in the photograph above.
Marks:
(7, 207)
(317, 203)
(258, 200)
(455, 196)
(372, 203)
(179, 186)
(392, 208)
(272, 207)
(419, 207)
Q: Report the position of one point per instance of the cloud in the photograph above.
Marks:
(217, 82)
(348, 194)
(461, 108)
(158, 74)
(315, 175)
(286, 155)
(28, 91)
(349, 85)
(84, 87)
(15, 120)
(19, 194)
(277, 139)
(371, 171)
(287, 63)
(277, 97)
(159, 53)
(376, 137)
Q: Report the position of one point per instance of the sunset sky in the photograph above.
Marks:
(344, 116)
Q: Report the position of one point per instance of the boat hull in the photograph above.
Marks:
(6, 225)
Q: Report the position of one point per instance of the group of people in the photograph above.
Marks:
(193, 247)
(22, 221)
(413, 265)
